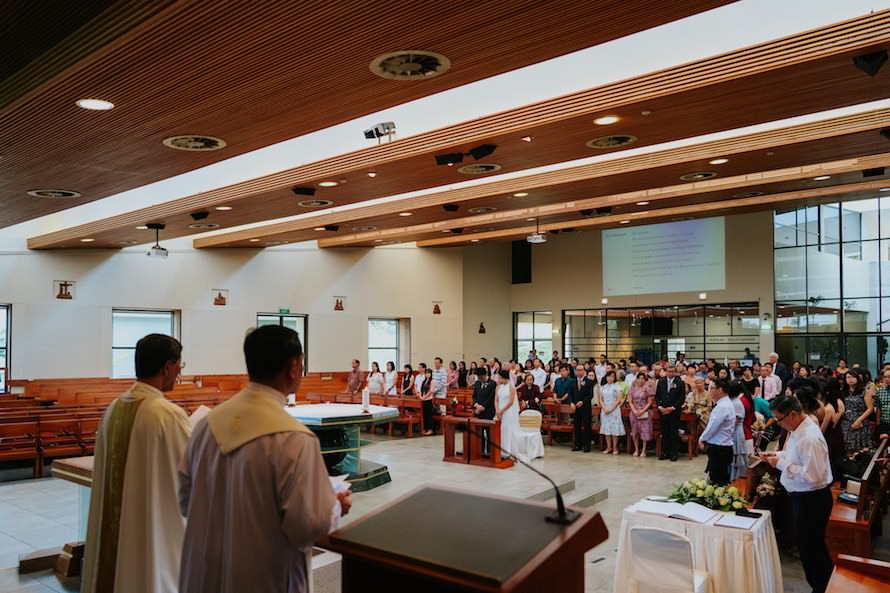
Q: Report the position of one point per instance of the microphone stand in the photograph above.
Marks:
(561, 515)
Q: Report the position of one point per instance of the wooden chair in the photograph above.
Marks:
(19, 441)
(563, 422)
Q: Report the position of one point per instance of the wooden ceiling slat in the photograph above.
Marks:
(258, 73)
(699, 210)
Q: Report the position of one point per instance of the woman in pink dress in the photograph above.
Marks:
(641, 398)
(452, 376)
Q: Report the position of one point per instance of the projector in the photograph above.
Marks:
(156, 251)
(536, 238)
(380, 130)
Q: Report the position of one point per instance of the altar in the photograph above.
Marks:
(338, 427)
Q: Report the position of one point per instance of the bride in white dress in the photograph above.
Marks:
(507, 407)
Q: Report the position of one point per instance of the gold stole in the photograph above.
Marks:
(120, 425)
(248, 416)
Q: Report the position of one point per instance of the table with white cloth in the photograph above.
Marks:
(737, 560)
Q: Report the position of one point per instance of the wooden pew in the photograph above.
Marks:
(58, 438)
(851, 527)
(19, 441)
(410, 413)
(853, 574)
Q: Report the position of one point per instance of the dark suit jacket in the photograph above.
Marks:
(585, 393)
(783, 373)
(483, 394)
(670, 393)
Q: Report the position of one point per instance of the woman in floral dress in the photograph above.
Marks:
(641, 400)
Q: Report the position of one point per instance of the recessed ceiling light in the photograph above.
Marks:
(616, 141)
(372, 173)
(141, 227)
(642, 203)
(254, 240)
(520, 194)
(55, 194)
(474, 240)
(821, 177)
(606, 120)
(639, 213)
(409, 65)
(315, 203)
(479, 169)
(223, 208)
(194, 143)
(87, 240)
(318, 228)
(884, 189)
(378, 240)
(718, 162)
(328, 183)
(95, 104)
(405, 213)
(624, 222)
(529, 220)
(446, 230)
(698, 176)
(204, 225)
(526, 138)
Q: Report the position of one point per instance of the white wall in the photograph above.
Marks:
(486, 294)
(567, 274)
(55, 338)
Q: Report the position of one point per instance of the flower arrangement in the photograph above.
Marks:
(767, 486)
(719, 498)
(453, 401)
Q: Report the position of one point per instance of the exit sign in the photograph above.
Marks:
(283, 310)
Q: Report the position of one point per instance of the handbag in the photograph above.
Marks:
(644, 415)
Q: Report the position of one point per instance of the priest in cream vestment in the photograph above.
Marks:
(135, 531)
(253, 483)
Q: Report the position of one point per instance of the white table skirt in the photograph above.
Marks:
(737, 560)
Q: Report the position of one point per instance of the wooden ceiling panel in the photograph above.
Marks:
(809, 72)
(256, 73)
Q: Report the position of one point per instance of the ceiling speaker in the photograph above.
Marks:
(886, 133)
(483, 151)
(876, 172)
(449, 159)
(604, 210)
(304, 191)
(331, 227)
(588, 212)
(450, 207)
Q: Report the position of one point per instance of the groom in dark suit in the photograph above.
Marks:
(483, 402)
(670, 395)
(581, 396)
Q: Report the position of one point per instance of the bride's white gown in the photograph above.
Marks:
(510, 419)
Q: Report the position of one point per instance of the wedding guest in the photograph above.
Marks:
(770, 385)
(563, 386)
(392, 377)
(719, 433)
(882, 403)
(354, 379)
(858, 407)
(670, 394)
(452, 376)
(427, 394)
(376, 380)
(831, 426)
(739, 468)
(807, 477)
(440, 378)
(641, 399)
(420, 379)
(690, 376)
(779, 368)
(699, 402)
(472, 374)
(600, 368)
(539, 374)
(462, 375)
(610, 399)
(552, 376)
(529, 394)
(581, 396)
(841, 367)
(408, 380)
(747, 422)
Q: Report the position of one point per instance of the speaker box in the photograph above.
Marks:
(521, 262)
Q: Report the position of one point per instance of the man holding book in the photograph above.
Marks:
(717, 436)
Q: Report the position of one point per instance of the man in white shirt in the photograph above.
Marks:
(600, 368)
(770, 384)
(631, 376)
(717, 435)
(539, 374)
(806, 476)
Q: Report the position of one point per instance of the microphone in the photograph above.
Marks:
(561, 515)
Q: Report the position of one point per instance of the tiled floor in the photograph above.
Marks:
(37, 514)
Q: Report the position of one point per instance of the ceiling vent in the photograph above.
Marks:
(194, 143)
(409, 65)
(479, 169)
(698, 176)
(876, 172)
(204, 225)
(614, 141)
(55, 194)
(748, 194)
(481, 209)
(314, 203)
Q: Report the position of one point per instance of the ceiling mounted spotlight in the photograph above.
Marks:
(482, 151)
(199, 215)
(587, 212)
(876, 172)
(457, 231)
(332, 227)
(449, 159)
(871, 63)
(450, 207)
(304, 191)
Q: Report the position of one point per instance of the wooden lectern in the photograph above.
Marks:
(454, 540)
(477, 427)
(450, 426)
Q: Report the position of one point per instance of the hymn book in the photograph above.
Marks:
(690, 511)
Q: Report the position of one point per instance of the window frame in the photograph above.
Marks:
(175, 326)
(304, 337)
(398, 344)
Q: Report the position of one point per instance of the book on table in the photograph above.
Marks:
(690, 511)
(736, 521)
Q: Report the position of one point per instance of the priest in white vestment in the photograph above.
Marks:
(135, 531)
(253, 484)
